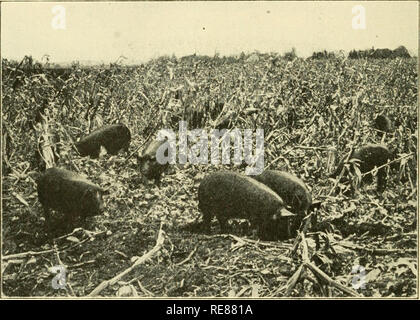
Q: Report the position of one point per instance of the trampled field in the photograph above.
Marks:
(313, 113)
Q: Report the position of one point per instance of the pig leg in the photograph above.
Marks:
(381, 180)
(47, 216)
(223, 224)
(206, 221)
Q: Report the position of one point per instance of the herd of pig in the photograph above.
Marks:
(274, 202)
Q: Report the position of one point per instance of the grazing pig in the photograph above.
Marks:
(113, 138)
(370, 156)
(232, 195)
(149, 166)
(383, 123)
(68, 193)
(292, 190)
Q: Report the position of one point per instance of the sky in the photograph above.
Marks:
(104, 31)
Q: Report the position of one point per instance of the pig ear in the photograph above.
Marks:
(284, 213)
(35, 176)
(315, 205)
(86, 194)
(92, 192)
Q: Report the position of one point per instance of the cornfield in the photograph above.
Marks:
(313, 113)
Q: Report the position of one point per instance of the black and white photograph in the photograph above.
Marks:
(209, 149)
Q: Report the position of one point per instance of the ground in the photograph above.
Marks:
(312, 111)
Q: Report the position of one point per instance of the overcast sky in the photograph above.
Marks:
(102, 31)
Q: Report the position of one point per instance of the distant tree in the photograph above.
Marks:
(291, 55)
(353, 54)
(382, 53)
(401, 52)
(173, 58)
(323, 55)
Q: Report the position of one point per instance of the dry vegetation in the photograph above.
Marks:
(312, 111)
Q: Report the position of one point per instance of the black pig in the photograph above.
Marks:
(383, 123)
(291, 189)
(112, 137)
(232, 195)
(370, 156)
(149, 166)
(68, 193)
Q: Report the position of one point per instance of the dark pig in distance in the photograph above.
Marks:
(229, 195)
(383, 123)
(112, 137)
(370, 156)
(68, 193)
